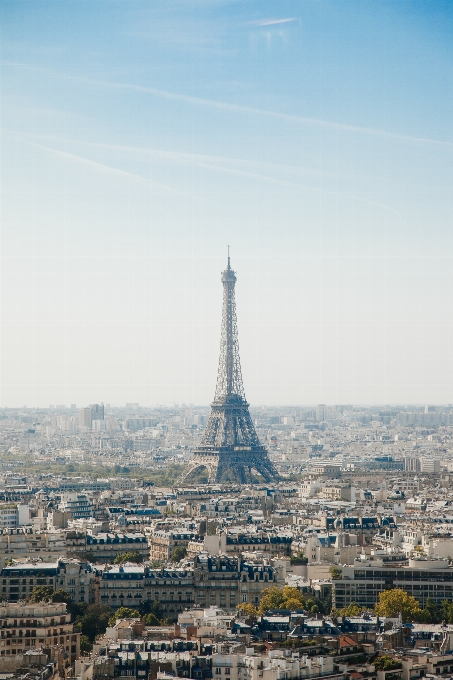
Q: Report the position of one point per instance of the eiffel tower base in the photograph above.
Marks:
(230, 466)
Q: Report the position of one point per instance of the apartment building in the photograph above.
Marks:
(24, 626)
(248, 666)
(77, 578)
(104, 547)
(14, 515)
(24, 542)
(162, 543)
(212, 582)
(77, 505)
(266, 542)
(132, 585)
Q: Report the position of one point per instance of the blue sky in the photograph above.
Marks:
(139, 139)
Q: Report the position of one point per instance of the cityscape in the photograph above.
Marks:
(226, 357)
(182, 542)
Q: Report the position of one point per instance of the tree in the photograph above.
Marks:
(129, 557)
(446, 611)
(352, 609)
(314, 606)
(211, 529)
(150, 620)
(280, 598)
(247, 609)
(151, 608)
(41, 594)
(93, 621)
(123, 613)
(271, 598)
(61, 595)
(386, 663)
(394, 602)
(430, 613)
(336, 573)
(85, 645)
(178, 554)
(168, 621)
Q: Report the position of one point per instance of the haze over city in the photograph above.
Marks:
(139, 140)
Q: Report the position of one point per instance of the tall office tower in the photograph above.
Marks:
(97, 411)
(85, 417)
(321, 412)
(230, 448)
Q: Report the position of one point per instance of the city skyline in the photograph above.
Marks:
(138, 141)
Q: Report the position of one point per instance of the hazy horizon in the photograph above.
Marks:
(139, 140)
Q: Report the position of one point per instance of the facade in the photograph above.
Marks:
(133, 585)
(85, 417)
(27, 626)
(97, 411)
(77, 578)
(212, 582)
(270, 544)
(162, 543)
(14, 515)
(23, 542)
(104, 547)
(78, 505)
(275, 666)
(422, 578)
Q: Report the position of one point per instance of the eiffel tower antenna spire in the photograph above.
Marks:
(230, 446)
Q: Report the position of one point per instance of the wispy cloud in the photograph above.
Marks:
(101, 167)
(272, 22)
(247, 110)
(238, 108)
(226, 165)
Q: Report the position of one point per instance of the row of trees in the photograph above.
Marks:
(394, 602)
(391, 604)
(285, 598)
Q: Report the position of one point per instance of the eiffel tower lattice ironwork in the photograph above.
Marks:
(230, 449)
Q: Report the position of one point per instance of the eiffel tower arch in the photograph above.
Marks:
(230, 448)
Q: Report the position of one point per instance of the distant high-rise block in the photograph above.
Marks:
(321, 412)
(97, 411)
(430, 465)
(85, 417)
(412, 464)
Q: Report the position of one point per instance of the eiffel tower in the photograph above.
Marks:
(230, 449)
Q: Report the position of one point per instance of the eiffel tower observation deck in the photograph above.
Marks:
(230, 449)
